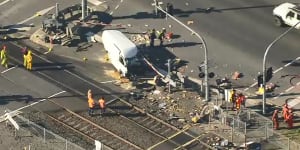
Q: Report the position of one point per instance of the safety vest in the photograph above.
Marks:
(29, 57)
(91, 103)
(102, 103)
(3, 54)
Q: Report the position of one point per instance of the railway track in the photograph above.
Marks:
(93, 131)
(90, 130)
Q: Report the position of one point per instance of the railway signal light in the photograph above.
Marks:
(269, 74)
(259, 80)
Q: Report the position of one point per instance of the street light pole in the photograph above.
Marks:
(264, 64)
(205, 51)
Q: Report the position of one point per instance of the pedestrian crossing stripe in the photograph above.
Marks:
(294, 102)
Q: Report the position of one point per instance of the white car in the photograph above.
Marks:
(287, 14)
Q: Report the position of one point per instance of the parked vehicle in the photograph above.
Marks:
(287, 14)
(122, 52)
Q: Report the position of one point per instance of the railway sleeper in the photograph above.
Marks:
(155, 126)
(89, 131)
(84, 128)
(150, 122)
(113, 142)
(71, 123)
(61, 117)
(93, 134)
(76, 126)
(166, 132)
(147, 118)
(66, 120)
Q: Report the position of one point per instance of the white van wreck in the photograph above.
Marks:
(121, 51)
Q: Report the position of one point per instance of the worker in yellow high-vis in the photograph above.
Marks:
(29, 60)
(3, 56)
(24, 52)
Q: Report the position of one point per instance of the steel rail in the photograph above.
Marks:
(96, 86)
(96, 125)
(142, 126)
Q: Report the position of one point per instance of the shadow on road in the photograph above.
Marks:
(51, 66)
(18, 98)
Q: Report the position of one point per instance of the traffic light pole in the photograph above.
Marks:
(264, 64)
(204, 46)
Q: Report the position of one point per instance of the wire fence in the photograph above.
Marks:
(248, 126)
(32, 136)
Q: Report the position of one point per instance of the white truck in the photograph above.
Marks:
(121, 52)
(287, 14)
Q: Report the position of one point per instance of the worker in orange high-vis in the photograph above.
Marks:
(238, 102)
(102, 105)
(285, 112)
(89, 94)
(275, 119)
(91, 106)
(91, 103)
(290, 119)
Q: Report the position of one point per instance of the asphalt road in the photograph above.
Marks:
(237, 34)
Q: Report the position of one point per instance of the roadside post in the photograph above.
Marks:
(204, 46)
(169, 74)
(264, 64)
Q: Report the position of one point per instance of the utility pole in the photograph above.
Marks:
(204, 46)
(83, 9)
(264, 64)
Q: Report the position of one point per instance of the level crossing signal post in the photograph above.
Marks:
(264, 63)
(157, 7)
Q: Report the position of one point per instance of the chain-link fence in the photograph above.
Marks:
(249, 126)
(32, 136)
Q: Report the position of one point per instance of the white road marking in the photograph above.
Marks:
(111, 13)
(286, 65)
(278, 95)
(278, 69)
(109, 81)
(294, 102)
(117, 6)
(41, 12)
(4, 2)
(9, 69)
(250, 86)
(290, 88)
(29, 105)
(96, 2)
(121, 1)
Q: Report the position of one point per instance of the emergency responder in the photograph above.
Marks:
(161, 36)
(243, 100)
(290, 119)
(102, 105)
(24, 52)
(275, 119)
(91, 103)
(152, 37)
(29, 60)
(238, 101)
(89, 94)
(285, 112)
(232, 97)
(4, 59)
